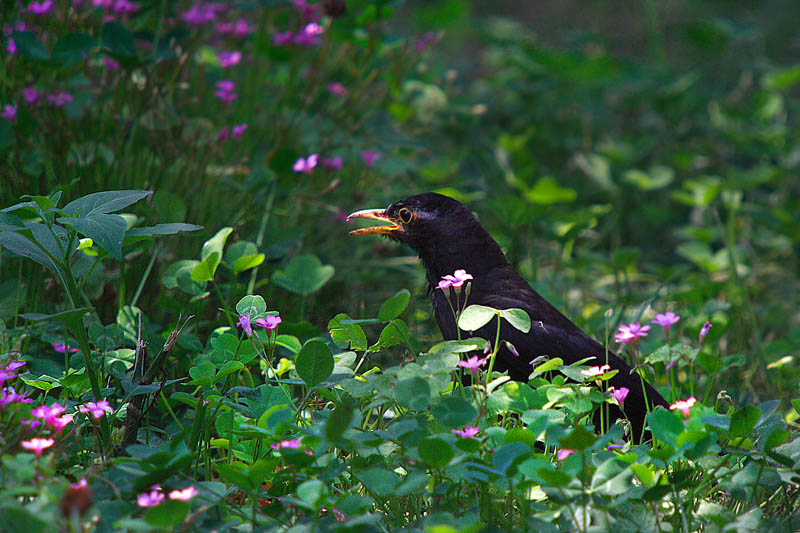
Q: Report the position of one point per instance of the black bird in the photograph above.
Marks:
(448, 237)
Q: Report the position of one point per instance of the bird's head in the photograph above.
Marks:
(441, 229)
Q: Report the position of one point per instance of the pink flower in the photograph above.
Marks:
(59, 423)
(456, 280)
(309, 35)
(595, 371)
(229, 59)
(11, 47)
(473, 364)
(468, 432)
(15, 365)
(704, 331)
(370, 157)
(30, 94)
(184, 495)
(425, 40)
(30, 424)
(40, 8)
(6, 375)
(337, 88)
(61, 348)
(222, 135)
(629, 333)
(48, 414)
(291, 443)
(60, 98)
(332, 163)
(309, 12)
(620, 394)
(666, 320)
(96, 409)
(269, 323)
(102, 3)
(306, 165)
(151, 498)
(201, 13)
(684, 406)
(225, 91)
(124, 7)
(238, 130)
(37, 445)
(10, 112)
(110, 63)
(9, 396)
(338, 515)
(244, 323)
(563, 453)
(282, 38)
(240, 28)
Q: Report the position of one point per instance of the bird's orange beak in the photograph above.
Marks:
(375, 214)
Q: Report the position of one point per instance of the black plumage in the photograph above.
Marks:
(448, 237)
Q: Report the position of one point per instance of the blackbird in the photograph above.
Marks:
(448, 237)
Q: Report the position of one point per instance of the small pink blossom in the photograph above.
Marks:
(11, 47)
(10, 112)
(30, 424)
(333, 163)
(6, 375)
(620, 394)
(184, 495)
(595, 371)
(37, 445)
(563, 453)
(338, 515)
(222, 135)
(244, 323)
(238, 130)
(309, 35)
(473, 364)
(110, 64)
(629, 333)
(291, 444)
(226, 91)
(229, 59)
(124, 7)
(102, 3)
(40, 8)
(9, 396)
(370, 157)
(337, 88)
(269, 323)
(151, 498)
(306, 165)
(62, 348)
(96, 409)
(467, 433)
(423, 42)
(59, 423)
(202, 13)
(684, 406)
(282, 38)
(704, 331)
(48, 413)
(458, 279)
(30, 94)
(13, 366)
(666, 320)
(60, 98)
(309, 12)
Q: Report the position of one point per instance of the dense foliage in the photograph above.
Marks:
(189, 340)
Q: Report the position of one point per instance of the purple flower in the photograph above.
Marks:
(96, 409)
(30, 424)
(620, 394)
(229, 59)
(240, 28)
(9, 395)
(238, 130)
(291, 443)
(37, 445)
(151, 498)
(11, 47)
(337, 88)
(244, 323)
(309, 35)
(102, 3)
(10, 112)
(60, 98)
(110, 63)
(40, 8)
(225, 91)
(456, 280)
(269, 323)
(30, 94)
(370, 157)
(615, 447)
(309, 12)
(15, 365)
(48, 413)
(704, 331)
(282, 38)
(124, 7)
(184, 495)
(467, 433)
(425, 40)
(222, 135)
(306, 165)
(666, 320)
(563, 453)
(61, 348)
(684, 406)
(5, 375)
(201, 13)
(332, 163)
(473, 364)
(630, 333)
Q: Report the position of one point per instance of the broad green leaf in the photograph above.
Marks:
(554, 477)
(253, 304)
(215, 245)
(242, 255)
(304, 275)
(413, 393)
(345, 335)
(119, 40)
(340, 419)
(229, 367)
(453, 411)
(517, 318)
(435, 452)
(246, 262)
(378, 481)
(29, 46)
(30, 243)
(394, 306)
(549, 365)
(73, 318)
(395, 332)
(236, 477)
(665, 425)
(205, 269)
(167, 514)
(314, 363)
(203, 374)
(72, 48)
(161, 229)
(547, 191)
(644, 473)
(508, 456)
(578, 439)
(744, 420)
(107, 231)
(782, 79)
(475, 317)
(311, 491)
(104, 202)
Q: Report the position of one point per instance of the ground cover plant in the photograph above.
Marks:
(189, 341)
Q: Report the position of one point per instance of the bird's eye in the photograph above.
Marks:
(405, 215)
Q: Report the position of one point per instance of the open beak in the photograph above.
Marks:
(375, 214)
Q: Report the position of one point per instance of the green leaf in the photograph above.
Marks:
(665, 425)
(236, 477)
(167, 514)
(30, 241)
(475, 317)
(549, 365)
(203, 374)
(246, 262)
(179, 276)
(555, 478)
(104, 202)
(243, 255)
(453, 411)
(644, 473)
(517, 318)
(547, 191)
(215, 244)
(782, 79)
(161, 229)
(119, 40)
(304, 274)
(578, 439)
(340, 419)
(72, 48)
(435, 452)
(394, 306)
(395, 332)
(379, 481)
(107, 231)
(253, 304)
(29, 46)
(314, 363)
(744, 420)
(73, 318)
(311, 491)
(228, 367)
(205, 269)
(776, 437)
(347, 334)
(413, 393)
(508, 456)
